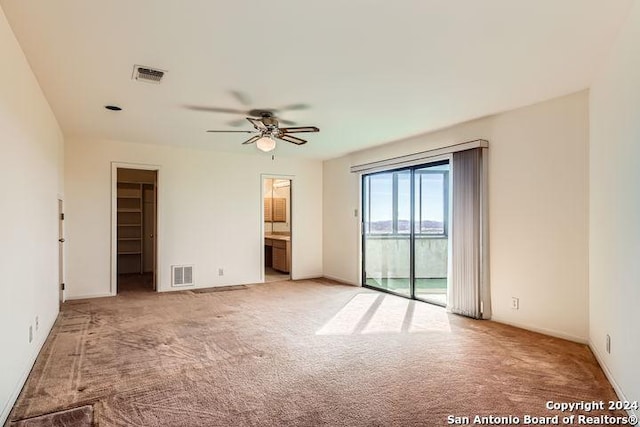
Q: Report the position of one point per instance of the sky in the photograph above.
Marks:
(432, 197)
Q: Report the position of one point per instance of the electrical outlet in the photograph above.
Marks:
(608, 344)
(30, 333)
(355, 213)
(220, 272)
(37, 323)
(515, 303)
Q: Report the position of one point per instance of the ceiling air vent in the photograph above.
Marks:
(147, 74)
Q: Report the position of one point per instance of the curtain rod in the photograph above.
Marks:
(412, 159)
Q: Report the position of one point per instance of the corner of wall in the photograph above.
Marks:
(6, 410)
(614, 207)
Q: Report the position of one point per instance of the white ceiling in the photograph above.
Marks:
(372, 71)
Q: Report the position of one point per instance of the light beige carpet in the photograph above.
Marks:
(307, 353)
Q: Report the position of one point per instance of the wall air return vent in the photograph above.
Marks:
(182, 275)
(147, 74)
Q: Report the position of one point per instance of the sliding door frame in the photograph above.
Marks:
(366, 211)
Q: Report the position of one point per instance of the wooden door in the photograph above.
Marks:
(60, 251)
(149, 227)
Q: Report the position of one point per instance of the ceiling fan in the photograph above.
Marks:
(268, 130)
(248, 110)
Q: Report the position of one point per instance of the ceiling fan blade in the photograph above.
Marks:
(300, 129)
(242, 97)
(292, 139)
(232, 131)
(215, 109)
(293, 107)
(236, 123)
(257, 123)
(286, 122)
(252, 139)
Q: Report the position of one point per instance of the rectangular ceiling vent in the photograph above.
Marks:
(182, 275)
(147, 74)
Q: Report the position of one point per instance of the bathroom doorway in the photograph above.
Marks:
(276, 202)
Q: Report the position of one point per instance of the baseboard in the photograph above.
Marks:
(616, 387)
(307, 277)
(340, 280)
(550, 332)
(23, 378)
(75, 297)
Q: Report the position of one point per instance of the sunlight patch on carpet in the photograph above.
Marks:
(375, 313)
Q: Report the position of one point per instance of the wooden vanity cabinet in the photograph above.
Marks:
(280, 254)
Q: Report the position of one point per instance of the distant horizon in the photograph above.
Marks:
(426, 226)
(429, 204)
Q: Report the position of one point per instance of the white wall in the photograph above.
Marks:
(209, 213)
(341, 221)
(538, 201)
(30, 181)
(614, 227)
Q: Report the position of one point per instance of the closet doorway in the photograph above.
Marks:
(136, 229)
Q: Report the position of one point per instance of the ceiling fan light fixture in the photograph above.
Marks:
(266, 144)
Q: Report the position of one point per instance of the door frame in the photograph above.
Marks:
(61, 247)
(113, 288)
(261, 228)
(431, 161)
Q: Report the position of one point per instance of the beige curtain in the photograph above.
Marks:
(469, 284)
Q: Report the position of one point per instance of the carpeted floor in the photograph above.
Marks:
(306, 353)
(76, 417)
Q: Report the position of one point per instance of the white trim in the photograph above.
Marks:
(616, 387)
(292, 200)
(543, 331)
(76, 297)
(113, 289)
(196, 287)
(417, 158)
(341, 280)
(309, 277)
(6, 410)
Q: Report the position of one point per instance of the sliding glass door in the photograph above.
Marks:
(431, 242)
(387, 231)
(405, 231)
